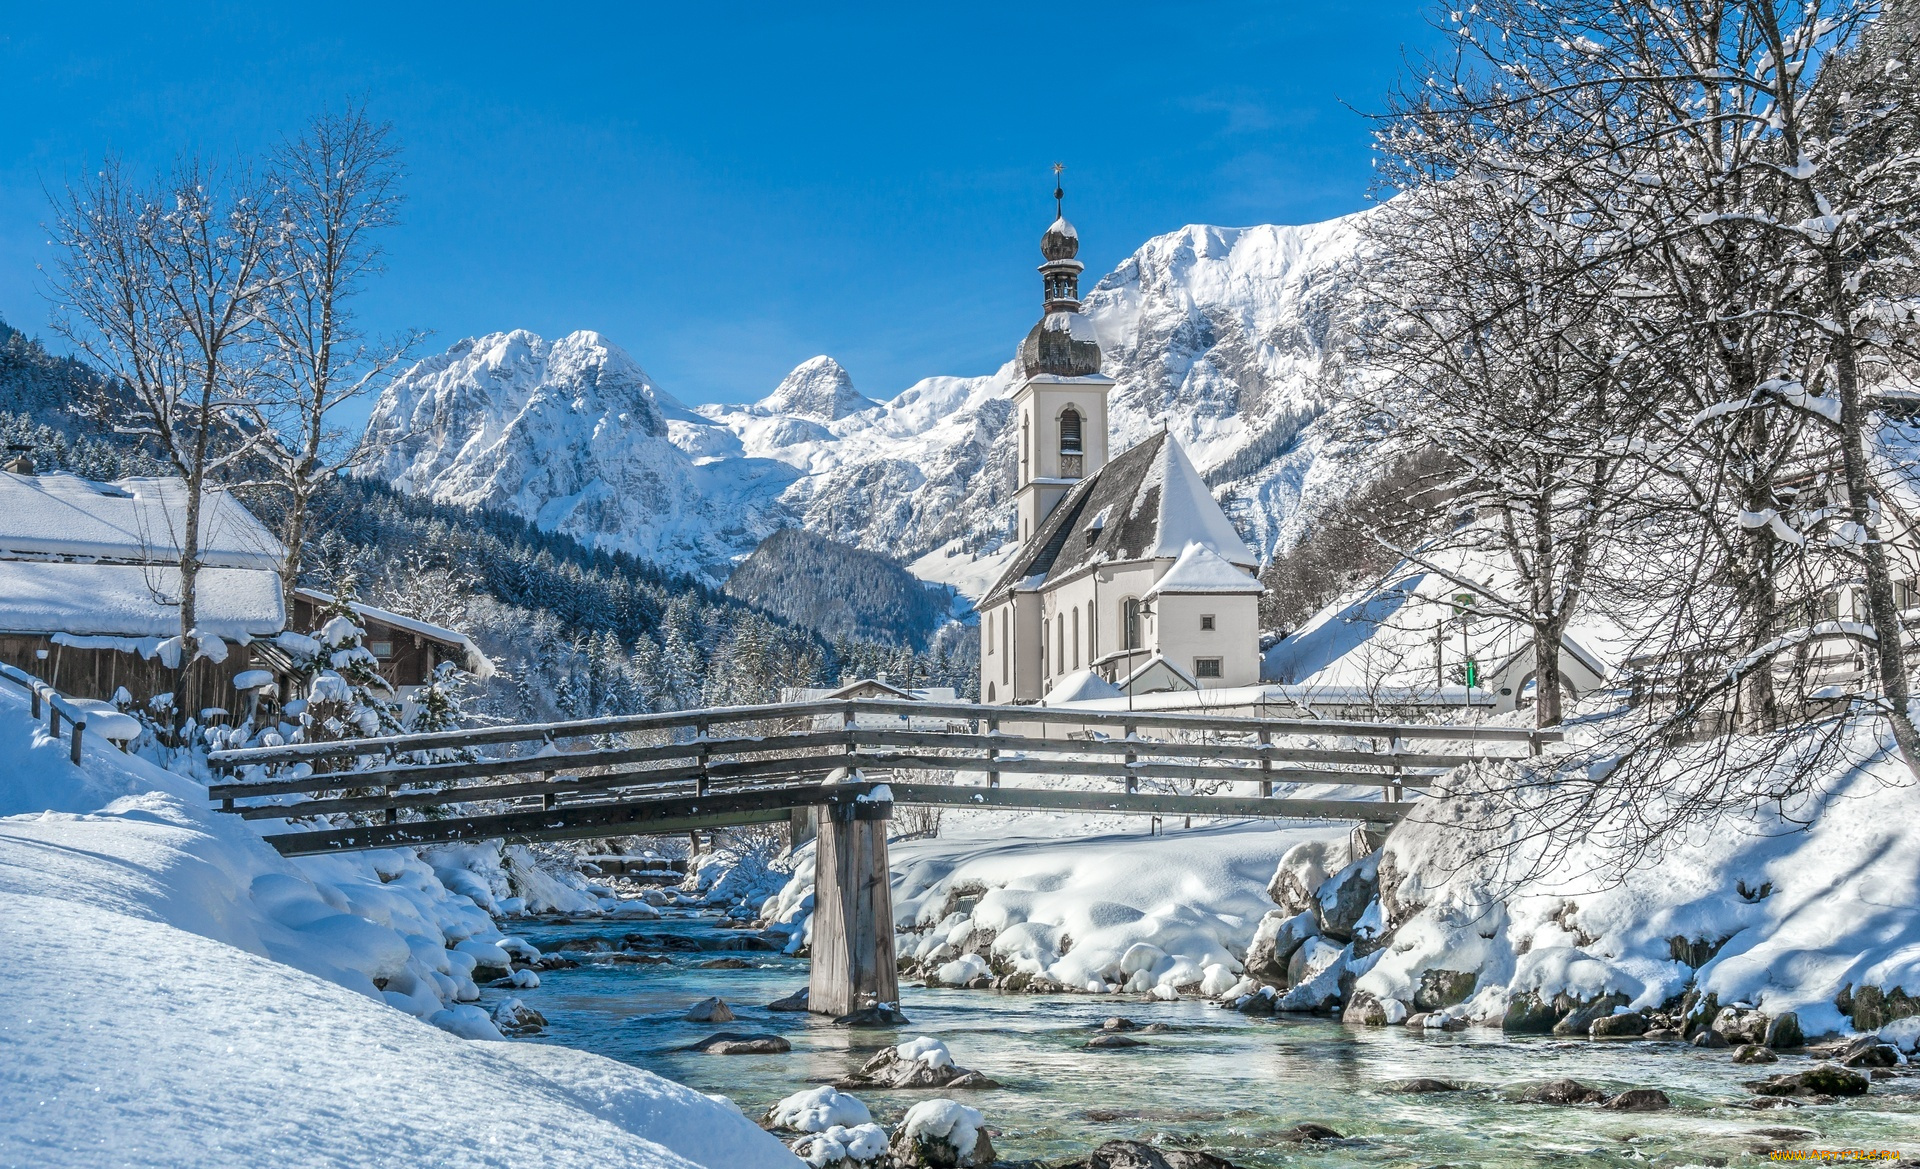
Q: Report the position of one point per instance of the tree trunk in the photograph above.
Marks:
(1883, 611)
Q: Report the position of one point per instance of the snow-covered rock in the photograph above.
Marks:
(941, 1134)
(817, 1110)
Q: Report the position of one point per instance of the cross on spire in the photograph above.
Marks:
(1059, 194)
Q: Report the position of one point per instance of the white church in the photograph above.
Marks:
(1128, 574)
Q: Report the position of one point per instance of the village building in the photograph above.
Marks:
(90, 587)
(90, 598)
(1128, 577)
(408, 650)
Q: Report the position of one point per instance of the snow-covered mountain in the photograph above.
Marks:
(1217, 333)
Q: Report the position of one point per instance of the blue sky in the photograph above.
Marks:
(726, 190)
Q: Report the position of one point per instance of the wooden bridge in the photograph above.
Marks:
(841, 765)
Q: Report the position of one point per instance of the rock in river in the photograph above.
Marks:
(741, 1043)
(1139, 1155)
(797, 1001)
(1422, 1085)
(711, 1010)
(1113, 1040)
(1754, 1053)
(1638, 1100)
(1564, 1091)
(1825, 1080)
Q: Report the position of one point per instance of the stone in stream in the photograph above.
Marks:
(941, 1134)
(974, 1080)
(710, 1010)
(515, 1018)
(1108, 1041)
(1564, 1091)
(797, 1001)
(726, 964)
(1119, 1023)
(626, 959)
(1825, 1080)
(1580, 1020)
(1630, 1025)
(1155, 1029)
(878, 1015)
(1784, 1032)
(1638, 1100)
(742, 1043)
(1423, 1084)
(1710, 1039)
(1872, 1055)
(1139, 1155)
(1664, 1035)
(1308, 1131)
(1527, 1014)
(1754, 1053)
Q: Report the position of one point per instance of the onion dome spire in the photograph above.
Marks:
(1062, 343)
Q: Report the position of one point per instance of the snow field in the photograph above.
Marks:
(179, 994)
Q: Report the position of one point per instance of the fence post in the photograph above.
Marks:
(993, 753)
(393, 813)
(75, 753)
(1266, 762)
(53, 719)
(1395, 793)
(700, 732)
(1133, 780)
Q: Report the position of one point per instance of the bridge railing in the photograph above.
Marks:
(850, 710)
(814, 740)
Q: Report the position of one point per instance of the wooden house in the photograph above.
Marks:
(408, 650)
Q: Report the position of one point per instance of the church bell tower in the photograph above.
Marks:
(1061, 402)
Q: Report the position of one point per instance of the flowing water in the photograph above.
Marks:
(1219, 1081)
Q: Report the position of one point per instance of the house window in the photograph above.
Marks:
(1905, 595)
(1206, 667)
(1206, 623)
(381, 649)
(1130, 623)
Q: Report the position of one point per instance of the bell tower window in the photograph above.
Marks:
(1072, 458)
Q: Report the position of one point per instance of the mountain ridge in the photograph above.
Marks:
(1218, 333)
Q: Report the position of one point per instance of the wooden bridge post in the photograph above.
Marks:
(993, 753)
(853, 963)
(1395, 792)
(700, 732)
(1266, 763)
(1133, 778)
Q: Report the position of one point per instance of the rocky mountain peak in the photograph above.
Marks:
(818, 388)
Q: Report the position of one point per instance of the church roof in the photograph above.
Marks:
(1147, 504)
(1202, 570)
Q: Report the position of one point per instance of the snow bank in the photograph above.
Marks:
(1784, 909)
(179, 993)
(1102, 913)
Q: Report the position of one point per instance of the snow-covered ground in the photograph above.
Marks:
(1093, 903)
(1796, 903)
(179, 994)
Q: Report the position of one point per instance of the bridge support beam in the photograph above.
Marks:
(853, 964)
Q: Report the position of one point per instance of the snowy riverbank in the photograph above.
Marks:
(181, 994)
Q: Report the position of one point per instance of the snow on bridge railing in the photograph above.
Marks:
(701, 722)
(58, 705)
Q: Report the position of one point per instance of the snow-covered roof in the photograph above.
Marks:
(1151, 504)
(136, 600)
(137, 520)
(1080, 686)
(1202, 570)
(1157, 671)
(472, 660)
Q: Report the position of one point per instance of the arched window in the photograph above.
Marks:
(1043, 648)
(1130, 623)
(990, 617)
(1006, 658)
(1060, 643)
(1026, 448)
(990, 697)
(1069, 431)
(1076, 637)
(1092, 653)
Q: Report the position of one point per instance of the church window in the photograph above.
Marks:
(1091, 653)
(990, 692)
(1206, 623)
(1076, 637)
(1060, 643)
(1070, 431)
(1026, 449)
(1130, 623)
(990, 617)
(1206, 667)
(1006, 659)
(1043, 648)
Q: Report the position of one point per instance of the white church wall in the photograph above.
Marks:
(1234, 639)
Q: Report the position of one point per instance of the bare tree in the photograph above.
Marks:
(338, 186)
(163, 288)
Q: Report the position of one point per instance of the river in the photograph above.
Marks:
(1219, 1081)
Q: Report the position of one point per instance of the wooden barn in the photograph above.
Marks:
(90, 587)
